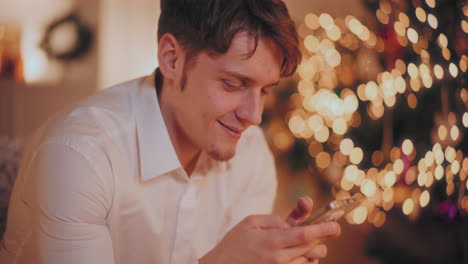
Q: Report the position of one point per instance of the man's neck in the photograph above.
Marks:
(187, 153)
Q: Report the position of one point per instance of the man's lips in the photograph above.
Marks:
(236, 132)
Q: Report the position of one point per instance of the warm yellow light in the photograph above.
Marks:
(442, 40)
(326, 21)
(400, 66)
(390, 179)
(311, 20)
(453, 70)
(463, 64)
(464, 26)
(368, 188)
(372, 91)
(427, 81)
(356, 155)
(332, 57)
(413, 71)
(450, 188)
(351, 173)
(442, 132)
(454, 133)
(399, 28)
(407, 147)
(464, 95)
(408, 206)
(305, 88)
(404, 19)
(400, 84)
(439, 172)
(429, 179)
(334, 33)
(422, 178)
(379, 219)
(311, 43)
(296, 125)
(412, 35)
(450, 154)
(387, 195)
(432, 20)
(315, 148)
(339, 126)
(422, 165)
(323, 160)
(377, 158)
(322, 134)
(438, 71)
(346, 146)
(412, 101)
(431, 3)
(315, 122)
(382, 16)
(429, 159)
(359, 215)
(398, 166)
(446, 53)
(455, 167)
(415, 84)
(439, 157)
(465, 119)
(421, 14)
(424, 198)
(385, 6)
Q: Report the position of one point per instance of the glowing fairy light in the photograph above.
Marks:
(346, 146)
(356, 155)
(407, 147)
(326, 21)
(408, 206)
(431, 3)
(359, 215)
(465, 119)
(438, 71)
(424, 198)
(420, 14)
(453, 70)
(312, 21)
(432, 20)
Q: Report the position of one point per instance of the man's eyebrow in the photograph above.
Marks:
(245, 78)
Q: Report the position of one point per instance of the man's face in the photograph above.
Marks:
(224, 94)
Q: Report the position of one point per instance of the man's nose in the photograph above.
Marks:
(250, 109)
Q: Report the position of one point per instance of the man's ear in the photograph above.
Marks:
(170, 56)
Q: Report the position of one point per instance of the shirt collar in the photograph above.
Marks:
(156, 152)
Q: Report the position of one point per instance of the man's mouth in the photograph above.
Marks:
(234, 132)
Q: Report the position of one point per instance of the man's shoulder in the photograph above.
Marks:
(107, 113)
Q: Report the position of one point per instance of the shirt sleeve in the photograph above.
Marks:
(72, 199)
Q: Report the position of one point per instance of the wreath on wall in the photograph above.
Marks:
(67, 39)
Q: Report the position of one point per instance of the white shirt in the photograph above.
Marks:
(101, 183)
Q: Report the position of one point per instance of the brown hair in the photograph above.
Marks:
(210, 25)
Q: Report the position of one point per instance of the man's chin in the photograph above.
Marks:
(221, 155)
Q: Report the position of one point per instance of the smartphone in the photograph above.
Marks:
(333, 211)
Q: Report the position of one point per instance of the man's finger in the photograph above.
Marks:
(265, 221)
(299, 260)
(304, 234)
(317, 252)
(301, 212)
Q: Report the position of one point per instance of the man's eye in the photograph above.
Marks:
(230, 85)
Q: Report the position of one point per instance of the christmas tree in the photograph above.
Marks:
(379, 110)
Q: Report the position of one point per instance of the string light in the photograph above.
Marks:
(329, 114)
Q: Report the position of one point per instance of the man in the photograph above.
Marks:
(170, 168)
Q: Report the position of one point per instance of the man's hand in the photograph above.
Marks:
(268, 239)
(296, 217)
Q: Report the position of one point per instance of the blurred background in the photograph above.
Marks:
(377, 109)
